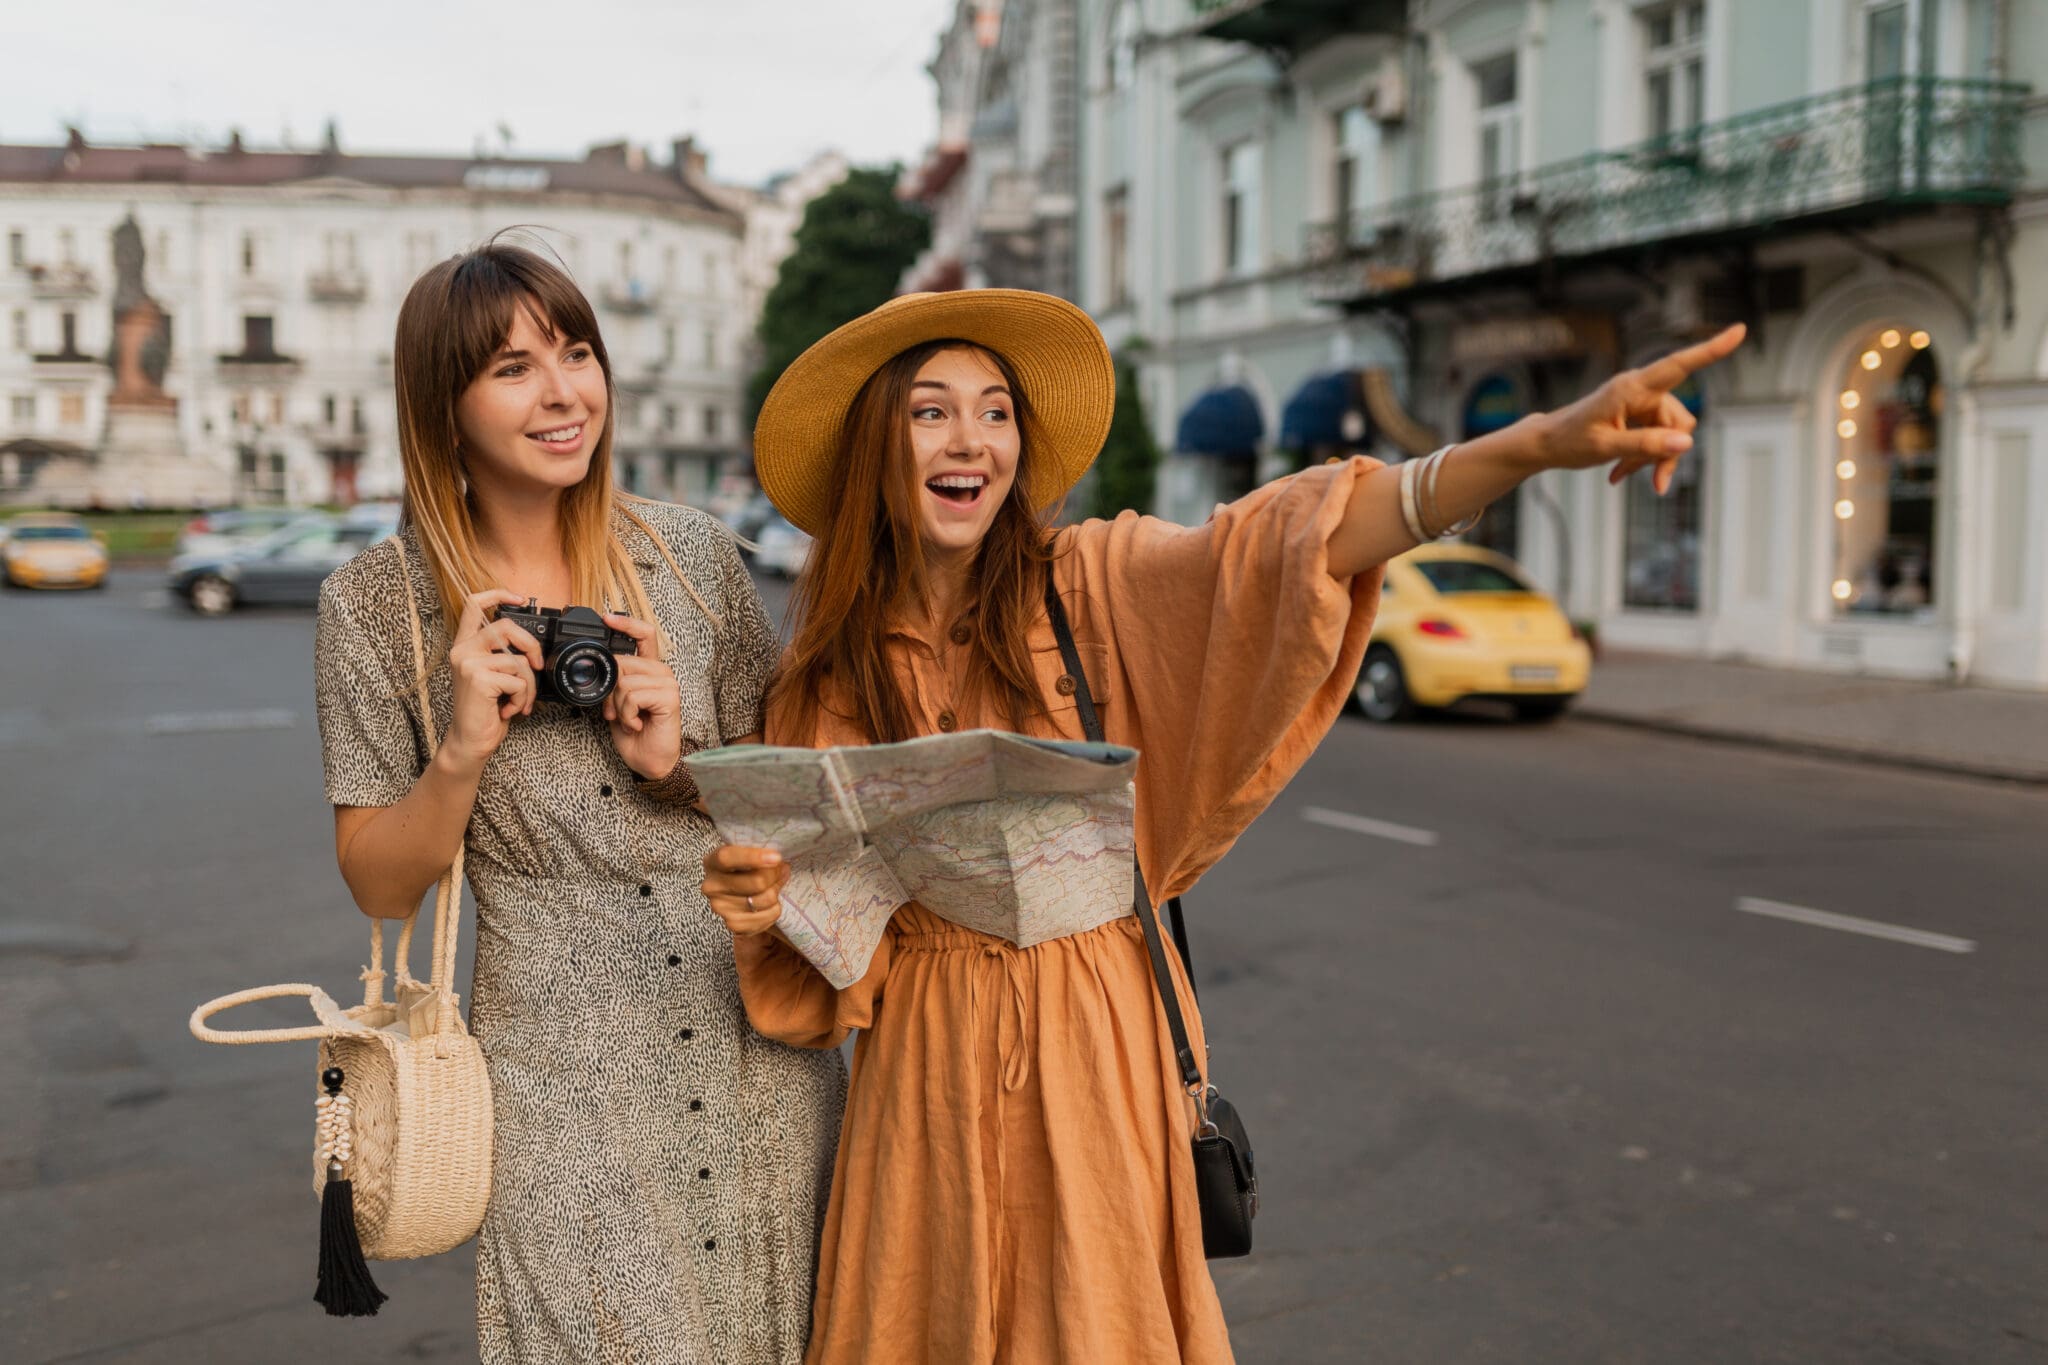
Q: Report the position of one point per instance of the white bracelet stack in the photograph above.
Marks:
(1419, 511)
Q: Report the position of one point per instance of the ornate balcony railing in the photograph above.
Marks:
(337, 286)
(630, 296)
(61, 282)
(1294, 26)
(1857, 154)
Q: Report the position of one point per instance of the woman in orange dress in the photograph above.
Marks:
(1014, 1180)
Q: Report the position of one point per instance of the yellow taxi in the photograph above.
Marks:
(1459, 622)
(52, 550)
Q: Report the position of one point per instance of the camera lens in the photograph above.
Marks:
(583, 673)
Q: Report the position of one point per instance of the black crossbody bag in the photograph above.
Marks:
(1224, 1179)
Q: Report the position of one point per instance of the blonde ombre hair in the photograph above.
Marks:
(454, 320)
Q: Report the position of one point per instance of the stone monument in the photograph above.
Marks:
(142, 458)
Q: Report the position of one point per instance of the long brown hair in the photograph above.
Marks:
(868, 567)
(454, 319)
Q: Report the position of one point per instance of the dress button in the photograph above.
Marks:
(687, 1034)
(696, 1105)
(675, 960)
(961, 634)
(605, 790)
(703, 1172)
(1065, 686)
(646, 890)
(947, 721)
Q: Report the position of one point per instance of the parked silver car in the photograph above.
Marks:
(231, 528)
(285, 568)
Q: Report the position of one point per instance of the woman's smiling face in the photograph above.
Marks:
(533, 417)
(964, 444)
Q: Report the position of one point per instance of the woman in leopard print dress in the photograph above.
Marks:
(659, 1168)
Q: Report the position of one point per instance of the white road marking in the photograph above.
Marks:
(1850, 924)
(1360, 824)
(216, 722)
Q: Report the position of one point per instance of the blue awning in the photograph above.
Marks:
(1315, 415)
(1222, 422)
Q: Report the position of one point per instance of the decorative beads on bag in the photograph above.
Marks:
(345, 1288)
(335, 1129)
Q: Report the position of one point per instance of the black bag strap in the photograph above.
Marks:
(1091, 725)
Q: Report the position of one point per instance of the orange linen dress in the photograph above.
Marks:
(1013, 1180)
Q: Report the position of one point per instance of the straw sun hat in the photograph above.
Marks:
(1054, 348)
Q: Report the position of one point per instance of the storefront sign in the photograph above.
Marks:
(1531, 338)
(1495, 402)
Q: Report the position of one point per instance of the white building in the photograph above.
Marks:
(282, 273)
(773, 212)
(1465, 210)
(999, 182)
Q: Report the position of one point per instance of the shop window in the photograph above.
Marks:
(1887, 476)
(1661, 535)
(1495, 402)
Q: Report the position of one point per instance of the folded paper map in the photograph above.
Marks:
(1024, 839)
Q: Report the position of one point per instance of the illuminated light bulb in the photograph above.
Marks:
(1843, 589)
(1845, 428)
(1846, 469)
(1918, 341)
(1871, 360)
(1844, 510)
(1890, 338)
(1851, 399)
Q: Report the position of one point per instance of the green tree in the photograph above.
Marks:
(854, 244)
(1128, 467)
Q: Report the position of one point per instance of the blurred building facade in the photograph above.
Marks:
(281, 273)
(1378, 224)
(772, 213)
(999, 182)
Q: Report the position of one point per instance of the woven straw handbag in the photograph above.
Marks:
(402, 1150)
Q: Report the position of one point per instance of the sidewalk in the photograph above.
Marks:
(1974, 731)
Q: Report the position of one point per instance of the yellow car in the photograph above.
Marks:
(52, 550)
(1458, 622)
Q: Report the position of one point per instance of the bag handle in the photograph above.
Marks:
(1148, 920)
(332, 1018)
(447, 897)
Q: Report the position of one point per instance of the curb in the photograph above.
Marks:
(1815, 748)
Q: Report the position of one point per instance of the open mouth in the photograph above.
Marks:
(560, 439)
(961, 490)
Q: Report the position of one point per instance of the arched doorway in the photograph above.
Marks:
(1887, 476)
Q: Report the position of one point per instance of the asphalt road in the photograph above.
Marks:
(1527, 1085)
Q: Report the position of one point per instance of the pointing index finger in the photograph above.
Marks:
(1673, 369)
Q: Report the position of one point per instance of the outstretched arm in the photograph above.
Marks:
(1630, 421)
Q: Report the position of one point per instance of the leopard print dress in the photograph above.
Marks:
(660, 1170)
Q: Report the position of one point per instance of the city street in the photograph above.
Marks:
(1565, 1044)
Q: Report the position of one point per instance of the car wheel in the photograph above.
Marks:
(1537, 709)
(1382, 690)
(212, 595)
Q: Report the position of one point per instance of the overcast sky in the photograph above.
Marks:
(762, 83)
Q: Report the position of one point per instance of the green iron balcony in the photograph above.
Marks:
(1291, 27)
(1851, 156)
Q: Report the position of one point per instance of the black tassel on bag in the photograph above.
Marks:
(345, 1289)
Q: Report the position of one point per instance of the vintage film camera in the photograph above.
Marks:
(578, 651)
